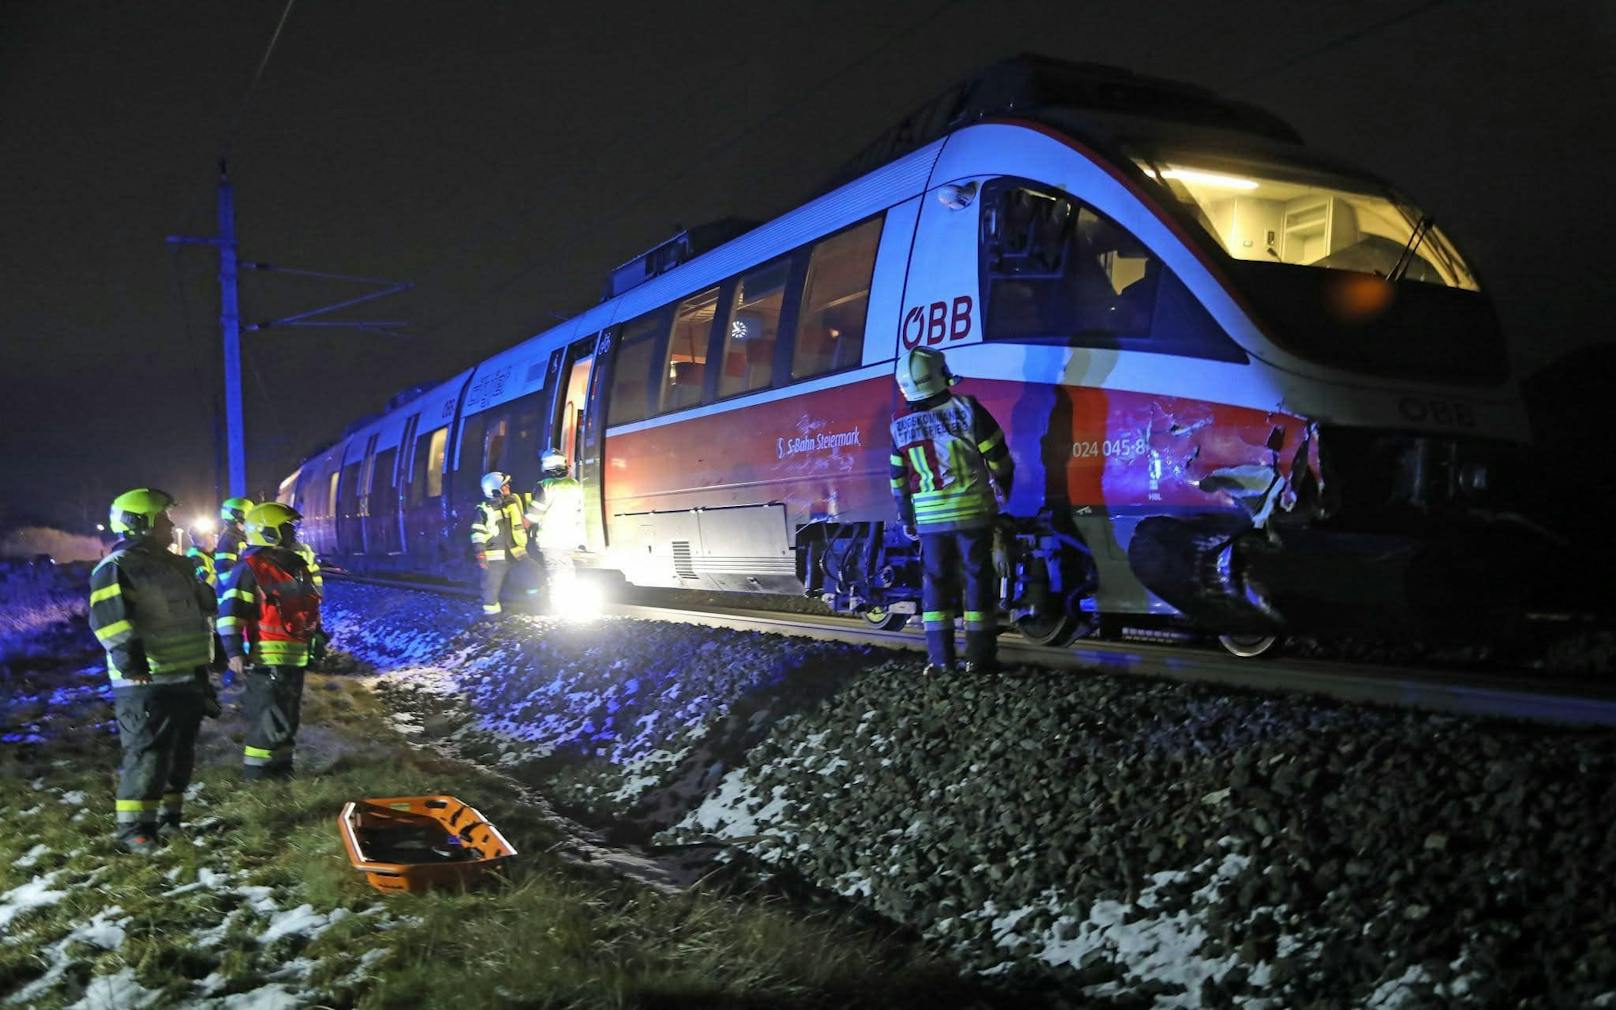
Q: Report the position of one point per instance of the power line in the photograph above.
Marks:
(1337, 42)
(252, 87)
(729, 142)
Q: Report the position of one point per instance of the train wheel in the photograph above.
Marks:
(1249, 646)
(1048, 629)
(884, 619)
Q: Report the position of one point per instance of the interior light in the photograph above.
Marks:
(1213, 179)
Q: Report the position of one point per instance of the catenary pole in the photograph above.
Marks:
(230, 327)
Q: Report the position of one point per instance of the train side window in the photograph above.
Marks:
(522, 446)
(1057, 271)
(431, 467)
(631, 372)
(331, 495)
(496, 431)
(836, 298)
(381, 481)
(469, 460)
(685, 376)
(752, 329)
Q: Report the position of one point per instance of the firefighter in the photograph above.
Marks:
(202, 566)
(269, 612)
(950, 470)
(500, 537)
(317, 645)
(557, 513)
(151, 615)
(227, 548)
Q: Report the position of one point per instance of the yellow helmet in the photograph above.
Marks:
(272, 525)
(135, 512)
(234, 510)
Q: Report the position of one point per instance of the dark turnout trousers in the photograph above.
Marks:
(494, 575)
(157, 726)
(958, 568)
(273, 699)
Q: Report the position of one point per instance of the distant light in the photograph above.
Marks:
(1208, 178)
(100, 527)
(204, 524)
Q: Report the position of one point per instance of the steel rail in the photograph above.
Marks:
(1456, 693)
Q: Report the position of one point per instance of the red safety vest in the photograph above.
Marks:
(288, 612)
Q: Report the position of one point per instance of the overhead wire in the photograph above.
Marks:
(727, 143)
(252, 86)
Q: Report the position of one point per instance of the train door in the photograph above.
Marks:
(567, 427)
(381, 513)
(588, 430)
(403, 469)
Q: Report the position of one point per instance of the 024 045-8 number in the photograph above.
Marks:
(1109, 448)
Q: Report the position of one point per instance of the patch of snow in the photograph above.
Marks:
(206, 879)
(32, 856)
(116, 992)
(302, 920)
(26, 897)
(259, 899)
(73, 799)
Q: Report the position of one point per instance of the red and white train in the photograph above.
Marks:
(1248, 389)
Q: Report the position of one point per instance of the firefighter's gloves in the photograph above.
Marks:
(231, 672)
(317, 645)
(910, 531)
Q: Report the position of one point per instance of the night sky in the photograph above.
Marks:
(503, 157)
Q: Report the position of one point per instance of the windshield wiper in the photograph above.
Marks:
(1406, 260)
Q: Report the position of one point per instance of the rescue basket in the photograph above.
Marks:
(411, 843)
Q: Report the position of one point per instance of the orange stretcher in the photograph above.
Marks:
(411, 843)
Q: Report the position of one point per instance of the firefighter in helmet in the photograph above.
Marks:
(499, 536)
(950, 470)
(151, 615)
(227, 548)
(269, 612)
(557, 514)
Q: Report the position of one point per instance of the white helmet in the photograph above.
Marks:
(923, 372)
(553, 464)
(493, 480)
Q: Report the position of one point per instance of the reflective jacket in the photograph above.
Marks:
(499, 530)
(202, 566)
(558, 512)
(150, 614)
(227, 550)
(269, 609)
(948, 456)
(312, 561)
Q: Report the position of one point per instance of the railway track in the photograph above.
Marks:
(1454, 692)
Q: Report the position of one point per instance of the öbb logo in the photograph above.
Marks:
(932, 324)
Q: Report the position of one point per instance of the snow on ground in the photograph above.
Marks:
(37, 893)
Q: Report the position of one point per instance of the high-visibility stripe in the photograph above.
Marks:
(491, 608)
(254, 752)
(106, 593)
(173, 803)
(274, 653)
(126, 805)
(238, 594)
(897, 485)
(986, 447)
(976, 615)
(115, 630)
(498, 554)
(225, 556)
(895, 459)
(227, 624)
(931, 617)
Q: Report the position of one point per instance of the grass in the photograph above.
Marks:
(546, 933)
(35, 600)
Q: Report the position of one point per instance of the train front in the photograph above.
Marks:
(1289, 400)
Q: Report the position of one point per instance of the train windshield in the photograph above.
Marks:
(1274, 213)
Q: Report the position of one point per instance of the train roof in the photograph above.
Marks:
(1029, 84)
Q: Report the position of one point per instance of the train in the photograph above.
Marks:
(1250, 390)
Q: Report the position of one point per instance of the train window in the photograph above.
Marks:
(836, 298)
(348, 489)
(469, 459)
(522, 446)
(431, 467)
(381, 477)
(685, 376)
(752, 329)
(331, 495)
(494, 435)
(1057, 271)
(631, 373)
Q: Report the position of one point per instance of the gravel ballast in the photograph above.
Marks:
(1139, 843)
